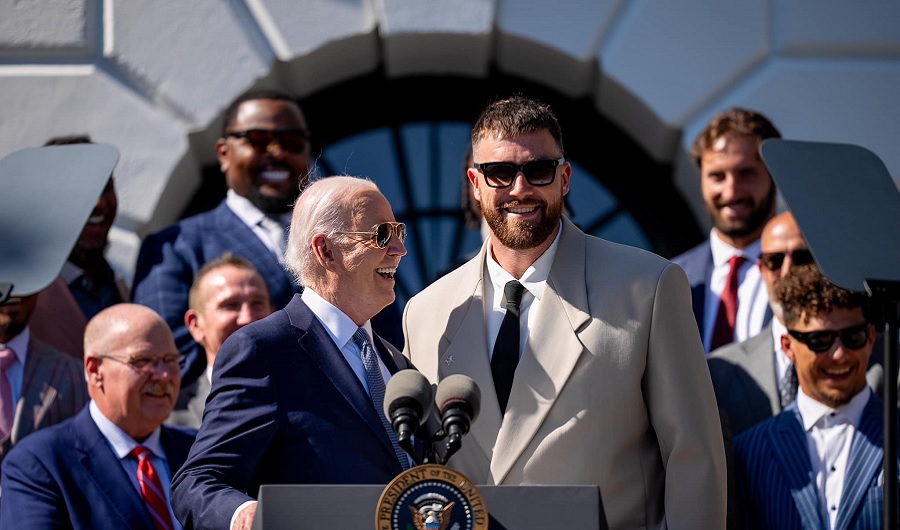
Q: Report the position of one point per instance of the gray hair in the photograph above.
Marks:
(321, 209)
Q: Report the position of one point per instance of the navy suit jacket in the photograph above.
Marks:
(285, 408)
(67, 476)
(777, 486)
(698, 266)
(169, 261)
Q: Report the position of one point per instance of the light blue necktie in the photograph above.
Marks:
(376, 389)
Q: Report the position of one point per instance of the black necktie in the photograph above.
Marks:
(506, 350)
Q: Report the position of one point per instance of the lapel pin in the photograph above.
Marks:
(449, 360)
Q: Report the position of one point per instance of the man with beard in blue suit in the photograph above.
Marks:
(294, 397)
(819, 463)
(110, 466)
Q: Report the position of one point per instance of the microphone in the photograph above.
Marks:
(458, 399)
(407, 403)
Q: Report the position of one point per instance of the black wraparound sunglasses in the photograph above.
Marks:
(774, 260)
(381, 233)
(502, 174)
(854, 337)
(290, 140)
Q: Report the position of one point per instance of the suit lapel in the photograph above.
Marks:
(864, 463)
(239, 236)
(761, 366)
(318, 346)
(39, 390)
(105, 471)
(789, 444)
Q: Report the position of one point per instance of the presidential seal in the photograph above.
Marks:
(431, 497)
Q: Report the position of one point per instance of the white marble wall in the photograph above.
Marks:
(153, 76)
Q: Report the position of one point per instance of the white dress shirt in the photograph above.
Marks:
(753, 299)
(829, 434)
(534, 280)
(253, 217)
(122, 445)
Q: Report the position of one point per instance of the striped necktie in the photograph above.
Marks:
(151, 489)
(375, 382)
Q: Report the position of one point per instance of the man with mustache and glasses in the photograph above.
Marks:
(589, 362)
(110, 466)
(819, 463)
(296, 397)
(729, 298)
(264, 153)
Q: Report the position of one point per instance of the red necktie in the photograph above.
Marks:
(723, 333)
(151, 489)
(7, 410)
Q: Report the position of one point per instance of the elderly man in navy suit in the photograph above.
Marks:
(728, 295)
(110, 466)
(296, 397)
(818, 464)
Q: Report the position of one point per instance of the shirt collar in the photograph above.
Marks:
(722, 251)
(121, 443)
(535, 277)
(19, 344)
(338, 325)
(248, 212)
(71, 272)
(811, 411)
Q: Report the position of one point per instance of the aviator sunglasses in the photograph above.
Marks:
(502, 174)
(381, 233)
(854, 337)
(290, 140)
(774, 260)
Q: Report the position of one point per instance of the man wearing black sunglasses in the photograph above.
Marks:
(264, 153)
(754, 379)
(589, 362)
(818, 464)
(729, 298)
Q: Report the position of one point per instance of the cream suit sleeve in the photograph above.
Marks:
(682, 409)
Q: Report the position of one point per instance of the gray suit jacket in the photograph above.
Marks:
(611, 389)
(188, 411)
(53, 389)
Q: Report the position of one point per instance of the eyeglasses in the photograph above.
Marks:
(147, 365)
(381, 233)
(774, 260)
(290, 140)
(502, 174)
(854, 337)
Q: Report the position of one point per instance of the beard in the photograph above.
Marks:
(523, 234)
(740, 228)
(273, 204)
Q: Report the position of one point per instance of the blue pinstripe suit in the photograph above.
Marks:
(776, 483)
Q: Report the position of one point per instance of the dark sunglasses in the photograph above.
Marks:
(502, 174)
(290, 140)
(381, 233)
(854, 337)
(774, 260)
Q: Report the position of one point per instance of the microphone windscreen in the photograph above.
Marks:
(458, 388)
(405, 388)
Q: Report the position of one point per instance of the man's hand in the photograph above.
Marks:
(244, 519)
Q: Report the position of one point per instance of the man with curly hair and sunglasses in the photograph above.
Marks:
(818, 464)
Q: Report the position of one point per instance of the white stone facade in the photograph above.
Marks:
(153, 76)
